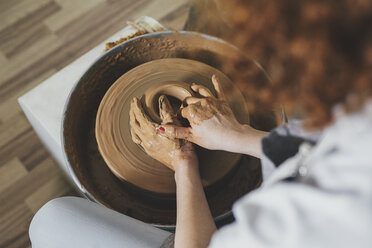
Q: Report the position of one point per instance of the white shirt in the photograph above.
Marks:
(329, 206)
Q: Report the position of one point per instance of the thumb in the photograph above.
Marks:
(166, 111)
(177, 132)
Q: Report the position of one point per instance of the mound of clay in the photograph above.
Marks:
(171, 77)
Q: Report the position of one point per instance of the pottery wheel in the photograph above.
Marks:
(147, 82)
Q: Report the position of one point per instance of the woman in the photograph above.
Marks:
(317, 189)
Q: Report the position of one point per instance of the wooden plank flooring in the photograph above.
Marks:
(38, 38)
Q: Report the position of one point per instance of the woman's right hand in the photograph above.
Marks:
(213, 124)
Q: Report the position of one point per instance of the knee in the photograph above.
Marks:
(48, 217)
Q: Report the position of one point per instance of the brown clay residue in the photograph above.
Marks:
(110, 45)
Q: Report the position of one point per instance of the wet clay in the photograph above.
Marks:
(177, 90)
(127, 159)
(90, 171)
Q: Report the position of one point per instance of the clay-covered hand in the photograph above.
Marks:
(213, 124)
(168, 150)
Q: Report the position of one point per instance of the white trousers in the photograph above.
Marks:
(76, 222)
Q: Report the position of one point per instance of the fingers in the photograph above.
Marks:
(138, 120)
(203, 91)
(217, 87)
(132, 119)
(165, 106)
(135, 125)
(185, 112)
(190, 112)
(192, 100)
(139, 114)
(173, 131)
(136, 139)
(166, 111)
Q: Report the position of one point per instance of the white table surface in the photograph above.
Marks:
(44, 104)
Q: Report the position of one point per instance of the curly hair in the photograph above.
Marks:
(318, 53)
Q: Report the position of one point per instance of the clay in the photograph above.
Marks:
(97, 182)
(127, 159)
(177, 90)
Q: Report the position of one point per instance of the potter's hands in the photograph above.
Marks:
(170, 151)
(213, 124)
(211, 118)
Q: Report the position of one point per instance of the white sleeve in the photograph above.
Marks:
(267, 167)
(297, 215)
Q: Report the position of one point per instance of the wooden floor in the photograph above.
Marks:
(38, 38)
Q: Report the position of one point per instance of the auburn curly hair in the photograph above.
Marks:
(318, 53)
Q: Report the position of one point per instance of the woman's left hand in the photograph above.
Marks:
(172, 152)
